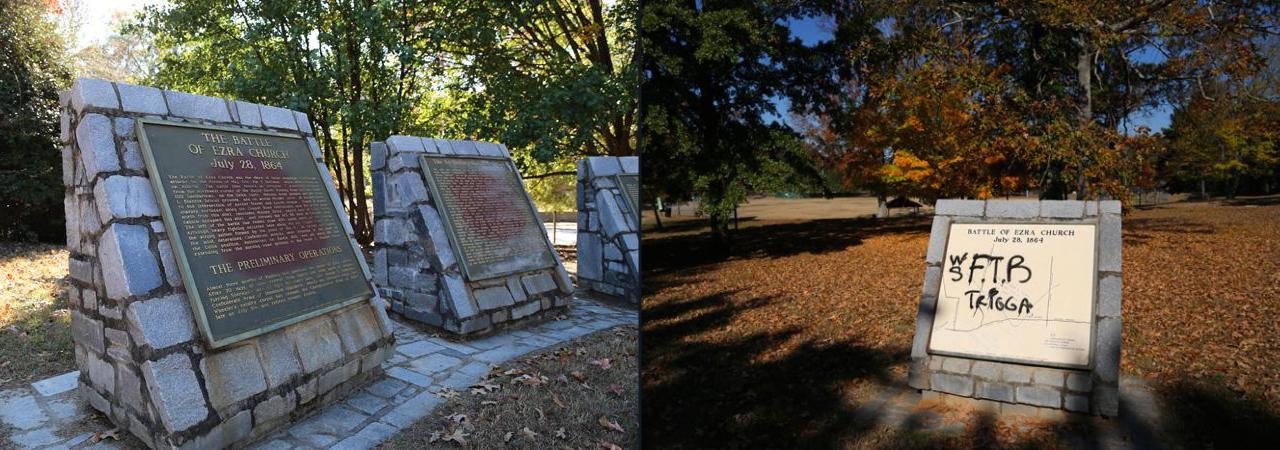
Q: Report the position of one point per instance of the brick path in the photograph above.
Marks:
(47, 414)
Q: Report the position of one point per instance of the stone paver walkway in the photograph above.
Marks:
(46, 415)
(1137, 427)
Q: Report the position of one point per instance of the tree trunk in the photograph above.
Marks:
(719, 223)
(1084, 76)
(657, 215)
(1203, 194)
(882, 206)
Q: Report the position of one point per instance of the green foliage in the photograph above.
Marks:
(557, 77)
(1222, 141)
(357, 68)
(32, 63)
(552, 80)
(711, 73)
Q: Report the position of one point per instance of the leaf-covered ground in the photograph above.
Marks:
(580, 394)
(781, 340)
(35, 325)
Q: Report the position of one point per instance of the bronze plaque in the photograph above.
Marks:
(630, 186)
(255, 233)
(492, 225)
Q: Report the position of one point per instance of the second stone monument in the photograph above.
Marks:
(460, 245)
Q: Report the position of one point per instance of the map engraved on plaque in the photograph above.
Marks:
(255, 233)
(494, 227)
(1017, 292)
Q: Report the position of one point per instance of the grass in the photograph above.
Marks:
(777, 342)
(35, 324)
(581, 394)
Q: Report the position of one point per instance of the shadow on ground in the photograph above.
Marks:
(700, 394)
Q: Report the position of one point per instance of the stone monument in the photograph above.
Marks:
(217, 291)
(460, 245)
(1021, 305)
(609, 225)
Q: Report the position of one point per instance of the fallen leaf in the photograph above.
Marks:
(605, 422)
(488, 402)
(616, 389)
(560, 433)
(577, 375)
(507, 438)
(556, 398)
(113, 433)
(457, 435)
(529, 433)
(602, 362)
(484, 388)
(609, 445)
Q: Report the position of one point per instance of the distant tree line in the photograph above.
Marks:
(971, 99)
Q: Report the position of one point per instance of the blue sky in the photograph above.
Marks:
(812, 31)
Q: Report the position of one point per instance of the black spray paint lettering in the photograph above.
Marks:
(994, 301)
(1013, 265)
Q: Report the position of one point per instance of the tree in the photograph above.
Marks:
(354, 66)
(32, 60)
(1223, 140)
(556, 76)
(988, 98)
(711, 70)
(124, 56)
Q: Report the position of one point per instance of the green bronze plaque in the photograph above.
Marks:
(630, 186)
(255, 233)
(492, 225)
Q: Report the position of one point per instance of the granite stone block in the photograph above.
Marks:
(280, 118)
(197, 106)
(1012, 209)
(953, 207)
(128, 266)
(142, 99)
(162, 322)
(95, 136)
(233, 375)
(250, 114)
(1039, 396)
(175, 392)
(93, 93)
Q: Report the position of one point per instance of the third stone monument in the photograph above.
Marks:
(608, 226)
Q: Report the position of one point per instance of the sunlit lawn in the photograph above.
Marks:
(35, 336)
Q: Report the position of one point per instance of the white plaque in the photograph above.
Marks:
(1017, 292)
